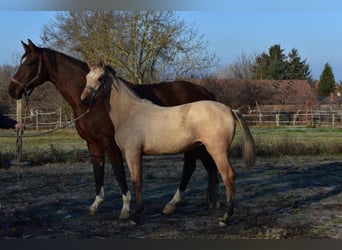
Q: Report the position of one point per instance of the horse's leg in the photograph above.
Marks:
(228, 177)
(188, 169)
(97, 158)
(209, 164)
(133, 159)
(115, 158)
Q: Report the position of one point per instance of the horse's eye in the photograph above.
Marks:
(100, 79)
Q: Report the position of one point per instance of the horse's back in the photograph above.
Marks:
(209, 117)
(172, 93)
(210, 109)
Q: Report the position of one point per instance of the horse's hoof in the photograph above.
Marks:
(133, 223)
(124, 215)
(136, 219)
(223, 223)
(92, 211)
(169, 209)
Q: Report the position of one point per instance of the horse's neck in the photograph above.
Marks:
(68, 79)
(124, 103)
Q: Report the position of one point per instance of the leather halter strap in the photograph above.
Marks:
(92, 90)
(35, 78)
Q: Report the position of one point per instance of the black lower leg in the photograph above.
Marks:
(210, 166)
(120, 176)
(228, 213)
(136, 218)
(98, 169)
(188, 169)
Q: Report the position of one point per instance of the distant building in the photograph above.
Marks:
(334, 101)
(284, 94)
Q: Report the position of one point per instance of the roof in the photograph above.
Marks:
(267, 92)
(333, 99)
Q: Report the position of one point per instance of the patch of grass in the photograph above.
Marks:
(278, 142)
(61, 146)
(67, 146)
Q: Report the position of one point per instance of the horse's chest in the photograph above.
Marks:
(127, 136)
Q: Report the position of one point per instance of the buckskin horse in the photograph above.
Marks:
(144, 128)
(39, 65)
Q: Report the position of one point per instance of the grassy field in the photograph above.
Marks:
(60, 146)
(297, 141)
(66, 145)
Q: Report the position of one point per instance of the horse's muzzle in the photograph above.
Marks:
(88, 100)
(14, 92)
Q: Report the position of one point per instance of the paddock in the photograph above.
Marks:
(293, 197)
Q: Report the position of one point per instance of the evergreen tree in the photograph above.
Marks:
(326, 81)
(260, 68)
(297, 68)
(271, 65)
(275, 65)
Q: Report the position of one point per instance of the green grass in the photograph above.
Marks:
(60, 146)
(66, 139)
(67, 145)
(293, 141)
(303, 135)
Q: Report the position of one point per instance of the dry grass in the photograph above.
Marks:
(67, 146)
(286, 141)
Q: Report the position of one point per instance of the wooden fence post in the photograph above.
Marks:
(60, 116)
(277, 119)
(19, 110)
(37, 122)
(333, 120)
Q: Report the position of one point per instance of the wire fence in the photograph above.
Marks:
(311, 118)
(42, 121)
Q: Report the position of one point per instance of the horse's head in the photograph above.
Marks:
(95, 83)
(30, 73)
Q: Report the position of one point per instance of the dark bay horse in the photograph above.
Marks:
(39, 65)
(144, 128)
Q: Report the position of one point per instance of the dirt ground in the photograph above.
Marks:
(280, 198)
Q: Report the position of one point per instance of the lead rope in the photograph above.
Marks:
(19, 145)
(19, 142)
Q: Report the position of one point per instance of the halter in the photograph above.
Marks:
(94, 92)
(101, 89)
(26, 85)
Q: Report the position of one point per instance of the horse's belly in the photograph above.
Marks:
(167, 144)
(169, 150)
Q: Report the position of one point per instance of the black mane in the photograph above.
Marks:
(51, 54)
(111, 70)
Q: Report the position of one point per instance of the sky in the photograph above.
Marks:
(230, 27)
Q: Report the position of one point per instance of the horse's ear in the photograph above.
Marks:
(25, 46)
(31, 45)
(89, 65)
(102, 63)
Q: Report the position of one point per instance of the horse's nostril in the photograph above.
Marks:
(11, 92)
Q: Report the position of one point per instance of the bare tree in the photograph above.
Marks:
(241, 68)
(143, 46)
